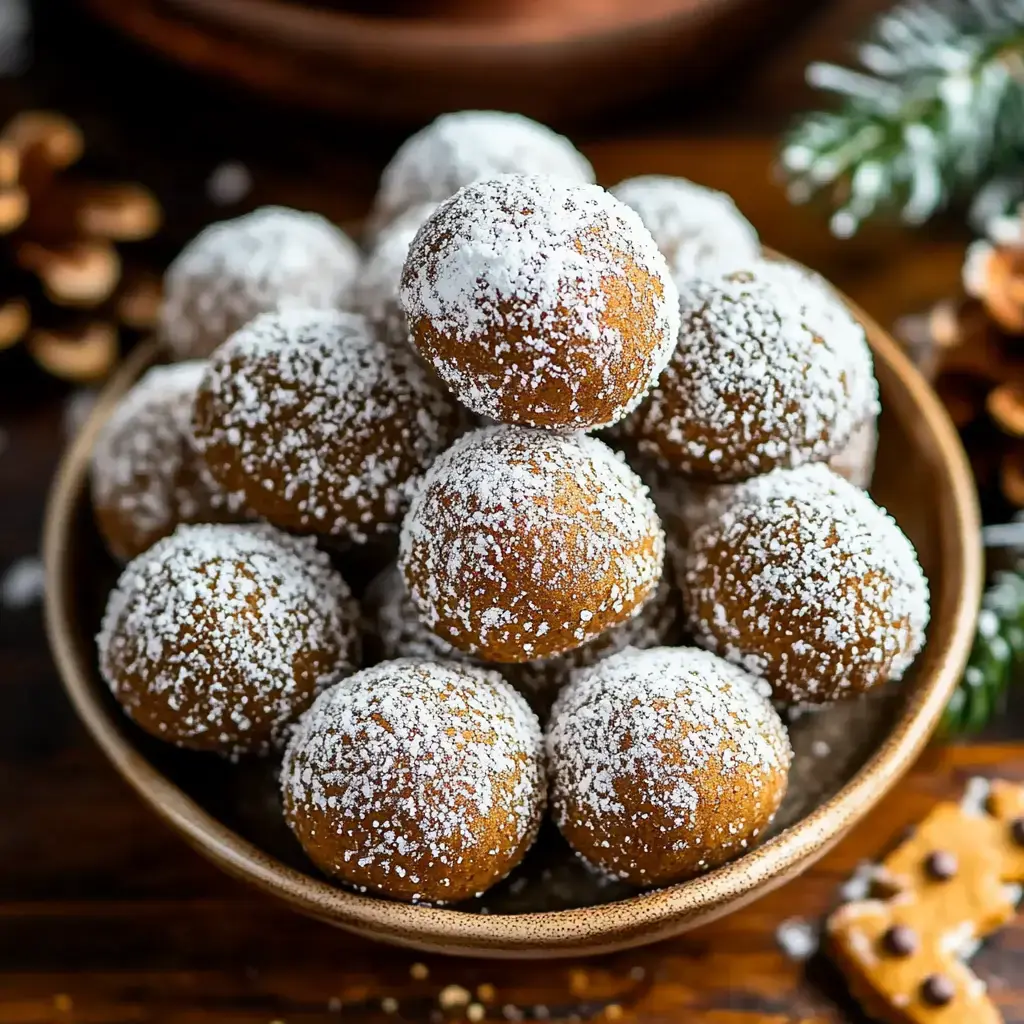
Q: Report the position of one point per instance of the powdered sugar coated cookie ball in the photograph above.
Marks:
(665, 763)
(466, 146)
(698, 229)
(146, 476)
(323, 426)
(813, 587)
(767, 372)
(375, 293)
(541, 303)
(522, 544)
(236, 269)
(402, 634)
(421, 781)
(219, 635)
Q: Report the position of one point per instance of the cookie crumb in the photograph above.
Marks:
(419, 972)
(579, 982)
(452, 997)
(797, 938)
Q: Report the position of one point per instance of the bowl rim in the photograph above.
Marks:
(651, 915)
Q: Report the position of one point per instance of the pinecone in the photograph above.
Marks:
(972, 349)
(66, 294)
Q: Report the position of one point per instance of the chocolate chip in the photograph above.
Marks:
(937, 990)
(900, 940)
(1017, 831)
(941, 865)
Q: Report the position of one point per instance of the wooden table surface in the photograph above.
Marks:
(106, 917)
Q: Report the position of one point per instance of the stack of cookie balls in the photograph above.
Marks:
(523, 393)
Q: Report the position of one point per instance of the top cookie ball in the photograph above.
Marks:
(466, 146)
(235, 269)
(698, 229)
(540, 303)
(770, 370)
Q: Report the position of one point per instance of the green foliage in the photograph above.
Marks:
(997, 657)
(935, 111)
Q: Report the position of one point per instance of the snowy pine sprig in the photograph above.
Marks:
(935, 110)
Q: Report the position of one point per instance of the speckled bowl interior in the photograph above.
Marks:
(848, 755)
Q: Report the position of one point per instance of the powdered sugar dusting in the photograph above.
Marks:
(643, 745)
(466, 146)
(698, 229)
(818, 590)
(403, 635)
(219, 635)
(540, 302)
(375, 293)
(146, 475)
(797, 938)
(235, 269)
(770, 370)
(523, 543)
(416, 779)
(321, 424)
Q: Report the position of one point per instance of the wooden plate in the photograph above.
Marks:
(230, 814)
(556, 60)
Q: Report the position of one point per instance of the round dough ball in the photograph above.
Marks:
(665, 763)
(322, 425)
(523, 544)
(400, 633)
(218, 636)
(421, 781)
(813, 587)
(698, 229)
(541, 303)
(770, 370)
(236, 269)
(146, 476)
(466, 146)
(375, 293)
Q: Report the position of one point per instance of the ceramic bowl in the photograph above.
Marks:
(230, 813)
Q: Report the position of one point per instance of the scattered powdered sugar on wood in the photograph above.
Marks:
(235, 269)
(320, 423)
(218, 635)
(462, 147)
(859, 885)
(411, 775)
(770, 370)
(642, 746)
(146, 475)
(798, 938)
(525, 543)
(541, 302)
(402, 634)
(22, 583)
(818, 590)
(975, 798)
(699, 230)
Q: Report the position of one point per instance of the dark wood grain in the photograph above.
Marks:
(107, 918)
